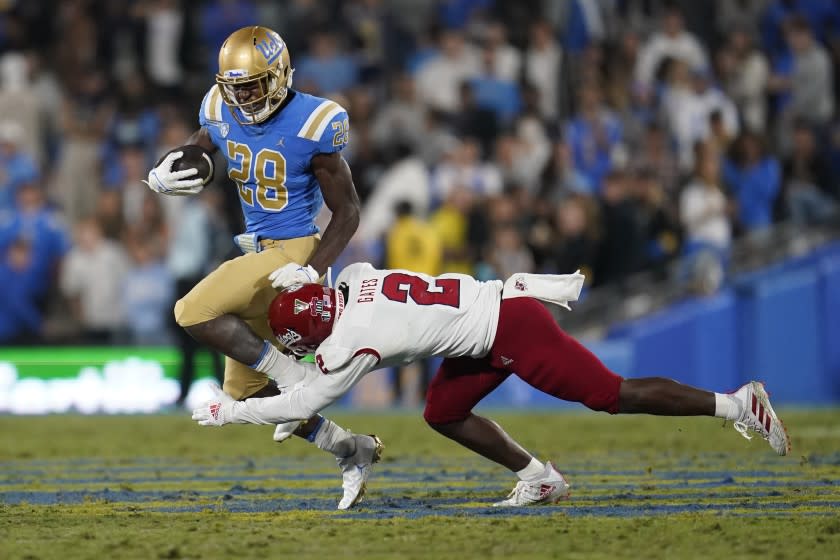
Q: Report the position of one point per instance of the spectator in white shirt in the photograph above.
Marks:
(92, 279)
(507, 62)
(402, 119)
(464, 168)
(673, 41)
(407, 179)
(164, 31)
(689, 103)
(542, 68)
(744, 71)
(703, 207)
(439, 79)
(810, 85)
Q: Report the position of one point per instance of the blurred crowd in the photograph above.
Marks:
(488, 137)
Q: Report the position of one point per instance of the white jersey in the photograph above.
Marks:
(392, 317)
(401, 316)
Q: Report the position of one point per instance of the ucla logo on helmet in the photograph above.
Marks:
(270, 47)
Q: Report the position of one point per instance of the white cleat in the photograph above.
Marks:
(285, 430)
(758, 415)
(356, 469)
(548, 490)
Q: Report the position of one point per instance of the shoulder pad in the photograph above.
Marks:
(212, 105)
(320, 117)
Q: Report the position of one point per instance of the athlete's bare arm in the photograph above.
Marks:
(336, 182)
(202, 138)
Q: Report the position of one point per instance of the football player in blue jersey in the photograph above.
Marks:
(283, 150)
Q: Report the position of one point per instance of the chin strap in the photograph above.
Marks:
(329, 277)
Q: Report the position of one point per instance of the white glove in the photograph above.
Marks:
(291, 274)
(286, 430)
(174, 183)
(215, 412)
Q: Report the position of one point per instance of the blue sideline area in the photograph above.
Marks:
(780, 325)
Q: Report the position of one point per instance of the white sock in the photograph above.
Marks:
(269, 356)
(727, 406)
(331, 437)
(532, 472)
(274, 364)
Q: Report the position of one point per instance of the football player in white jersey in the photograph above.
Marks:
(485, 331)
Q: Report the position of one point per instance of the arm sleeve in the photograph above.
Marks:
(294, 373)
(305, 401)
(336, 133)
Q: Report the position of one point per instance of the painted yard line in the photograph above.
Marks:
(454, 495)
(131, 496)
(370, 510)
(390, 473)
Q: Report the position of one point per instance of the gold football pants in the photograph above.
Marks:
(241, 287)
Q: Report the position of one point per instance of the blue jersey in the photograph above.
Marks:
(269, 161)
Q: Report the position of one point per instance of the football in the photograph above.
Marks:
(195, 157)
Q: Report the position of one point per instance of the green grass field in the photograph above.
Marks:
(643, 487)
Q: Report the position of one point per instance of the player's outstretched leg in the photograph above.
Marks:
(458, 385)
(749, 407)
(547, 358)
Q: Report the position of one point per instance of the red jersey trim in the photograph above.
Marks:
(370, 351)
(320, 361)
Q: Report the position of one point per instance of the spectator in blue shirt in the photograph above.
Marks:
(325, 70)
(147, 296)
(220, 18)
(39, 225)
(20, 313)
(754, 179)
(456, 14)
(584, 25)
(495, 92)
(134, 124)
(592, 134)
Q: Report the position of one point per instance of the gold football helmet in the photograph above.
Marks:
(255, 73)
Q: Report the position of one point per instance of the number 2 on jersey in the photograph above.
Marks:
(269, 176)
(399, 286)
